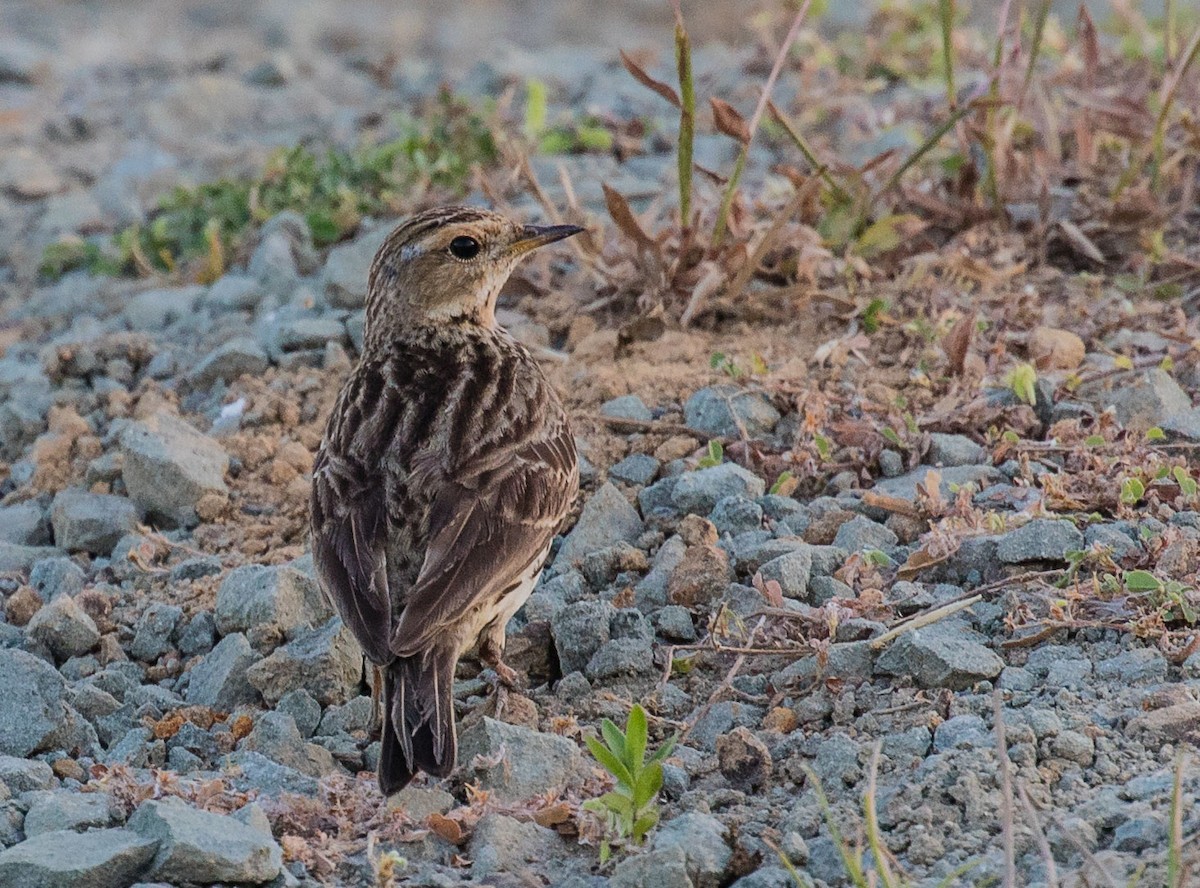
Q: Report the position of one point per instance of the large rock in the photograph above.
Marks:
(699, 491)
(276, 736)
(200, 847)
(20, 775)
(1149, 398)
(515, 763)
(220, 679)
(701, 837)
(104, 858)
(269, 604)
(905, 486)
(32, 711)
(91, 522)
(346, 269)
(941, 656)
(502, 845)
(241, 356)
(169, 467)
(326, 662)
(50, 811)
(64, 628)
(607, 519)
(24, 524)
(1043, 539)
(726, 409)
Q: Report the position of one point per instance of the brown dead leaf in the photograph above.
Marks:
(957, 343)
(919, 561)
(552, 815)
(728, 121)
(640, 75)
(168, 727)
(626, 221)
(1054, 349)
(449, 829)
(769, 589)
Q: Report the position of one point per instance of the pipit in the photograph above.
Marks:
(446, 468)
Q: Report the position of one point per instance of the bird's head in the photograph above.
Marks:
(447, 265)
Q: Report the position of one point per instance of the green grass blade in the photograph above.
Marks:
(727, 199)
(821, 169)
(946, 16)
(687, 115)
(1039, 32)
(850, 861)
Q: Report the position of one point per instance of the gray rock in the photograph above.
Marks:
(658, 496)
(940, 656)
(1121, 544)
(1149, 398)
(91, 522)
(269, 603)
(579, 630)
(24, 524)
(725, 409)
(607, 519)
(49, 811)
(637, 469)
(699, 491)
(303, 708)
(198, 846)
(276, 736)
(860, 533)
(621, 658)
(792, 571)
(105, 858)
(418, 802)
(504, 845)
(665, 868)
(160, 308)
(220, 680)
(357, 715)
(905, 486)
(651, 591)
(1043, 539)
(1140, 834)
(153, 631)
(234, 292)
(954, 450)
(736, 514)
(962, 732)
(64, 628)
(20, 775)
(241, 356)
(701, 837)
(515, 763)
(199, 636)
(32, 711)
(252, 771)
(674, 623)
(325, 661)
(627, 407)
(344, 280)
(169, 467)
(137, 749)
(1133, 667)
(56, 576)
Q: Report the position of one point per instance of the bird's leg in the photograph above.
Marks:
(491, 654)
(377, 715)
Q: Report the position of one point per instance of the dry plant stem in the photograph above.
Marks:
(923, 620)
(1039, 836)
(769, 237)
(756, 118)
(653, 425)
(878, 850)
(726, 682)
(1006, 810)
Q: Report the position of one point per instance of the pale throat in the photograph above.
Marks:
(479, 305)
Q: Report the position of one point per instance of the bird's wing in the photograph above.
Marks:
(349, 534)
(491, 517)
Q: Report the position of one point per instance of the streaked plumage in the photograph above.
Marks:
(446, 468)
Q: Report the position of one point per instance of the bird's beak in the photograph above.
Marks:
(534, 236)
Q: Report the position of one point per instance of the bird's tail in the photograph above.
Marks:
(418, 723)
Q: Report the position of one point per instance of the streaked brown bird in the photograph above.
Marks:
(446, 468)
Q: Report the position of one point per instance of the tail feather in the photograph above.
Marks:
(418, 727)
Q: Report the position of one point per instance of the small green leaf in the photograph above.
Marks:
(608, 760)
(1094, 441)
(636, 732)
(1023, 383)
(1141, 581)
(665, 749)
(892, 437)
(784, 477)
(1010, 437)
(1187, 484)
(1155, 434)
(1132, 491)
(714, 457)
(613, 738)
(643, 825)
(824, 448)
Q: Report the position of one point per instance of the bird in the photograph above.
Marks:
(446, 468)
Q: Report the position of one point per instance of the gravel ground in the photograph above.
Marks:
(181, 706)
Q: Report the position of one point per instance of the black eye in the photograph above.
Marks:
(463, 247)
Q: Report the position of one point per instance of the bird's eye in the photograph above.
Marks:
(463, 247)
